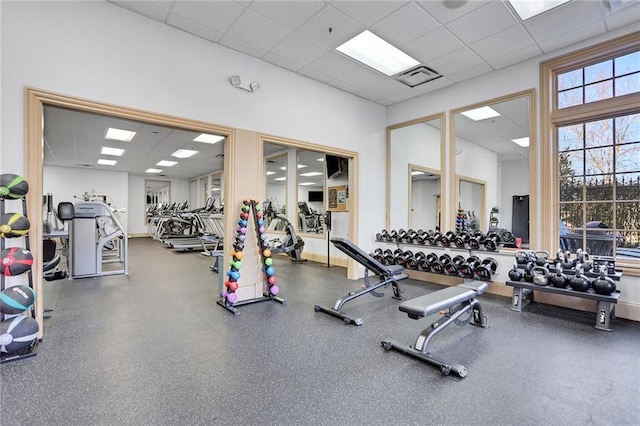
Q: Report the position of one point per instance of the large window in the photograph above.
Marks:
(592, 103)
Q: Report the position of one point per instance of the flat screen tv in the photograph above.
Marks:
(316, 196)
(334, 166)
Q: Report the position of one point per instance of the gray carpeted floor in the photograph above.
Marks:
(154, 348)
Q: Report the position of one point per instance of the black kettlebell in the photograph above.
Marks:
(540, 275)
(559, 280)
(579, 282)
(567, 262)
(603, 284)
(584, 259)
(515, 274)
(542, 257)
(527, 274)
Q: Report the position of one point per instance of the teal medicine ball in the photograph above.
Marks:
(16, 299)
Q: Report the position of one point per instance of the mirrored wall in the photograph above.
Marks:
(158, 194)
(415, 186)
(491, 147)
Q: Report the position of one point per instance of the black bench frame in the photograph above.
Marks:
(387, 274)
(523, 292)
(458, 301)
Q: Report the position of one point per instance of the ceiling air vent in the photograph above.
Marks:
(417, 75)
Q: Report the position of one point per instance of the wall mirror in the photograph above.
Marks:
(424, 195)
(415, 201)
(158, 194)
(275, 204)
(471, 195)
(492, 146)
(310, 179)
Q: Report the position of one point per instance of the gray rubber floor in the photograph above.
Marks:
(153, 348)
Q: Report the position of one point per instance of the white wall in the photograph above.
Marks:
(66, 183)
(69, 47)
(424, 204)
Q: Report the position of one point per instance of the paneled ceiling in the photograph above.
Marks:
(459, 39)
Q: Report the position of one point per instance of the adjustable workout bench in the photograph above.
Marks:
(458, 300)
(388, 275)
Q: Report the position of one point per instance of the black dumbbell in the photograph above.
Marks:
(404, 258)
(388, 257)
(397, 255)
(393, 235)
(377, 255)
(461, 240)
(453, 267)
(476, 240)
(492, 242)
(468, 268)
(424, 263)
(433, 238)
(486, 269)
(448, 239)
(437, 266)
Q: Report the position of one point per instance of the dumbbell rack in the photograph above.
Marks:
(470, 252)
(30, 350)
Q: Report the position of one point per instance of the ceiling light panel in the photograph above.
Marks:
(310, 174)
(153, 171)
(373, 51)
(119, 135)
(207, 138)
(528, 9)
(481, 113)
(184, 153)
(307, 183)
(112, 151)
(165, 163)
(523, 142)
(104, 162)
(280, 179)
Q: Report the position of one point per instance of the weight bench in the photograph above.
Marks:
(388, 275)
(457, 301)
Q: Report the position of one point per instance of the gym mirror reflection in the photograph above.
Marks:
(415, 201)
(310, 194)
(275, 204)
(492, 147)
(158, 194)
(471, 194)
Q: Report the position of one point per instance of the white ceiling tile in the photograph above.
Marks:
(563, 19)
(362, 76)
(368, 12)
(241, 46)
(405, 25)
(515, 57)
(339, 84)
(432, 85)
(258, 31)
(372, 97)
(443, 14)
(569, 38)
(315, 74)
(157, 10)
(291, 14)
(282, 62)
(624, 17)
(385, 87)
(466, 74)
(342, 27)
(504, 42)
(482, 22)
(454, 61)
(217, 15)
(400, 95)
(333, 64)
(300, 49)
(432, 45)
(195, 28)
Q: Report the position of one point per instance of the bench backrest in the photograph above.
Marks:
(360, 256)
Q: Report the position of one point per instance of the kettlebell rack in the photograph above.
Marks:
(30, 350)
(523, 290)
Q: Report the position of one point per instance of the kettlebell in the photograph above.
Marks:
(584, 259)
(604, 285)
(515, 274)
(559, 280)
(542, 257)
(567, 263)
(540, 275)
(527, 274)
(579, 282)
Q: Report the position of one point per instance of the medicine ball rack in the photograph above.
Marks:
(30, 350)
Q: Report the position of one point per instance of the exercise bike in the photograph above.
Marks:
(291, 244)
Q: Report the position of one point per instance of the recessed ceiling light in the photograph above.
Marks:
(300, 166)
(417, 173)
(111, 151)
(271, 173)
(528, 9)
(184, 153)
(120, 135)
(207, 138)
(523, 142)
(152, 171)
(279, 179)
(107, 162)
(165, 163)
(373, 51)
(307, 183)
(310, 174)
(481, 113)
(215, 189)
(320, 159)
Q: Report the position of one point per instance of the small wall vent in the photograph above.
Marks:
(417, 76)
